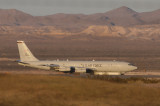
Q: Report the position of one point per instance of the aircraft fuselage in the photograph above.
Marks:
(83, 66)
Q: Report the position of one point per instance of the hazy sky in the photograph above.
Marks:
(48, 7)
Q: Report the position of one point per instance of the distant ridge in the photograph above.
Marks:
(14, 17)
(122, 16)
(123, 9)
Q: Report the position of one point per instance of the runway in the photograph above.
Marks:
(150, 75)
(155, 75)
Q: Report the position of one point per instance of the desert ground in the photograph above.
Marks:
(48, 90)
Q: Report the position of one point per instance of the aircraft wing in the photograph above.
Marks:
(50, 65)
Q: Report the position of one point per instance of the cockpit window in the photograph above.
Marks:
(131, 64)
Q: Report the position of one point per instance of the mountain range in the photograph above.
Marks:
(122, 22)
(122, 16)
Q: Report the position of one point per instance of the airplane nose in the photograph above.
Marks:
(134, 67)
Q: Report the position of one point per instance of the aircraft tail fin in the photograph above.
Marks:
(25, 53)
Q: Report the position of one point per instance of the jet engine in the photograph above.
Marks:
(78, 69)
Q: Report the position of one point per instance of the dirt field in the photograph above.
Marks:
(40, 90)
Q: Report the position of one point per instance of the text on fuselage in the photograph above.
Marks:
(91, 65)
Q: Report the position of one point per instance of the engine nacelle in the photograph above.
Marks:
(69, 69)
(78, 70)
(64, 69)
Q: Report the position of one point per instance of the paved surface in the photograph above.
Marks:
(127, 75)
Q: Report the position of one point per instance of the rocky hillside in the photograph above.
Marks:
(31, 30)
(144, 32)
(12, 17)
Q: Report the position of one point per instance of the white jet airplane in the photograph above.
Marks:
(93, 67)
